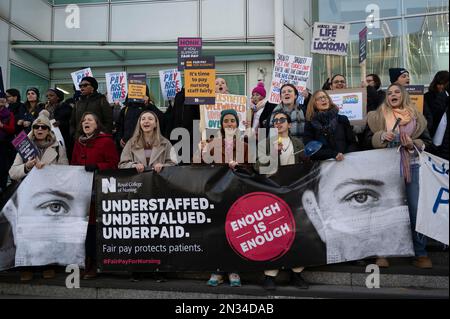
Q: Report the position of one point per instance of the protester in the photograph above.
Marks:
(32, 109)
(338, 82)
(49, 153)
(91, 101)
(436, 109)
(257, 105)
(324, 124)
(399, 76)
(16, 107)
(7, 129)
(129, 116)
(95, 150)
(441, 136)
(411, 135)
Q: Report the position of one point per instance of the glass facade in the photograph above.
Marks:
(410, 34)
(22, 80)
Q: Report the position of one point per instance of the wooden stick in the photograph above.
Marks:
(329, 70)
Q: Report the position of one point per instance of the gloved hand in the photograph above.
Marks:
(91, 168)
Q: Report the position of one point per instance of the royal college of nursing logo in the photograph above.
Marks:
(109, 185)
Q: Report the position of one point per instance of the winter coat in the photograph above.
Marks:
(298, 155)
(54, 154)
(436, 104)
(343, 139)
(63, 113)
(31, 116)
(163, 154)
(95, 103)
(220, 143)
(99, 150)
(8, 129)
(18, 109)
(376, 126)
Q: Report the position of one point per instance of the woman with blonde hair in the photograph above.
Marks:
(397, 123)
(147, 148)
(325, 124)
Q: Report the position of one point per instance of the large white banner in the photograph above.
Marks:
(45, 222)
(433, 207)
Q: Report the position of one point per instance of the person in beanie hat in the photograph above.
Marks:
(33, 107)
(257, 106)
(7, 128)
(91, 101)
(399, 76)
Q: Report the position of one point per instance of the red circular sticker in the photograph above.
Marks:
(260, 227)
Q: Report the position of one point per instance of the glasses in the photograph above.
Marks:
(42, 127)
(323, 97)
(83, 85)
(280, 120)
(339, 82)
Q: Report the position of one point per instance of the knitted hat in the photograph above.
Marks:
(92, 81)
(35, 90)
(228, 112)
(43, 119)
(260, 89)
(395, 73)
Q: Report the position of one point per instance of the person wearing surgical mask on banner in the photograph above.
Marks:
(398, 124)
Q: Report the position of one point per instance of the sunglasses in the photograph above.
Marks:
(42, 127)
(280, 120)
(84, 85)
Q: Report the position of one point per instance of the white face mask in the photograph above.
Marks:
(371, 233)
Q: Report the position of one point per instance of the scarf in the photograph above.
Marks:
(391, 116)
(326, 122)
(84, 139)
(43, 145)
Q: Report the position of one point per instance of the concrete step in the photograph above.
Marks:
(119, 286)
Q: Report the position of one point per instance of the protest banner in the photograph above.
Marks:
(200, 78)
(24, 146)
(330, 38)
(188, 48)
(203, 218)
(171, 83)
(416, 92)
(79, 75)
(45, 220)
(117, 86)
(433, 205)
(352, 103)
(289, 69)
(137, 86)
(212, 113)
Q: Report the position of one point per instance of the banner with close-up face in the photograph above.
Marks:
(203, 218)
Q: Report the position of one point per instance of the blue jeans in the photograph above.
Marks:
(412, 195)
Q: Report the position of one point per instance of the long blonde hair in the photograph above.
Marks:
(138, 138)
(311, 108)
(406, 101)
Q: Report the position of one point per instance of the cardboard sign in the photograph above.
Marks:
(171, 83)
(363, 45)
(351, 103)
(137, 84)
(188, 48)
(330, 38)
(416, 92)
(24, 146)
(200, 77)
(225, 102)
(117, 86)
(289, 69)
(79, 75)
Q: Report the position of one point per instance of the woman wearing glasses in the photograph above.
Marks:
(94, 102)
(324, 124)
(49, 150)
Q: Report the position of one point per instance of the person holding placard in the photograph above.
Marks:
(91, 101)
(324, 124)
(397, 123)
(437, 109)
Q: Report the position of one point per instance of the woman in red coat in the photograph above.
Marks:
(94, 150)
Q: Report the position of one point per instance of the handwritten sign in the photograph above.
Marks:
(79, 75)
(225, 102)
(117, 86)
(289, 69)
(330, 38)
(171, 83)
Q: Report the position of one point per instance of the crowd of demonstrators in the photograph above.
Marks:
(143, 132)
(50, 152)
(95, 150)
(412, 136)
